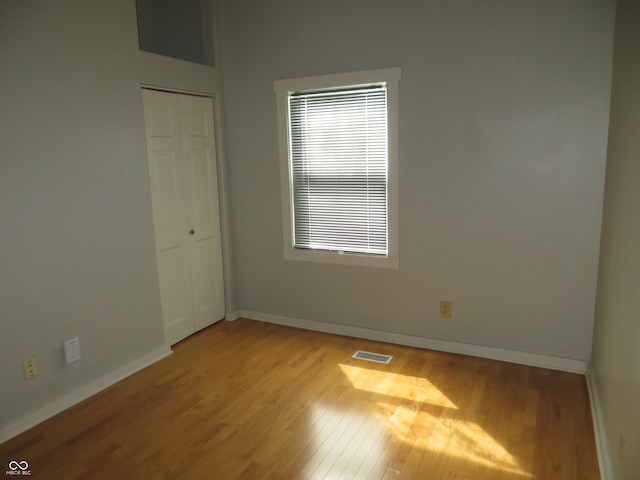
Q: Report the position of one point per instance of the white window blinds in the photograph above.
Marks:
(338, 149)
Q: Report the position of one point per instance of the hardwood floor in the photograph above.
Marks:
(251, 400)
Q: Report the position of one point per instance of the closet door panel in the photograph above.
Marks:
(198, 143)
(184, 188)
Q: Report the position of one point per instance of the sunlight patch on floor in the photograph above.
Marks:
(415, 412)
(346, 444)
(462, 439)
(399, 386)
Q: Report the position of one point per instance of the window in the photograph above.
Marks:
(181, 29)
(338, 149)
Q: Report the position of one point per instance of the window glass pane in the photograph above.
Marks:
(339, 170)
(180, 29)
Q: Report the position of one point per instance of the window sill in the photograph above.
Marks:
(361, 260)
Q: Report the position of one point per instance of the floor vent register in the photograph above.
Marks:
(372, 357)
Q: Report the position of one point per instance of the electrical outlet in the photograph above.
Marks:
(445, 309)
(72, 350)
(30, 368)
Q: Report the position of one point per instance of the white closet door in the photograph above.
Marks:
(182, 165)
(203, 212)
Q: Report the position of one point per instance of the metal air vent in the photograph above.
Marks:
(372, 357)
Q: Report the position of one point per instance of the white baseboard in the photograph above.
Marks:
(231, 316)
(82, 393)
(523, 358)
(602, 444)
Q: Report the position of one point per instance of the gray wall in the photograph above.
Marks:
(503, 128)
(616, 352)
(76, 232)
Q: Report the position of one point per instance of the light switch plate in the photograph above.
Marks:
(72, 350)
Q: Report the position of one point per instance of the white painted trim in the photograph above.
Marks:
(522, 358)
(352, 79)
(231, 316)
(602, 445)
(82, 393)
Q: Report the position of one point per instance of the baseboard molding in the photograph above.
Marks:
(231, 316)
(523, 358)
(602, 444)
(82, 393)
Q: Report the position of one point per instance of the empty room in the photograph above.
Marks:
(356, 239)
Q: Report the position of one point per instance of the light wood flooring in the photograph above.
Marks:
(250, 400)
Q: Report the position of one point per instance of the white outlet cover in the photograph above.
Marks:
(72, 350)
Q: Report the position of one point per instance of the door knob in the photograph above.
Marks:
(192, 232)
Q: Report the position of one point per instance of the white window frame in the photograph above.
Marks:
(283, 89)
